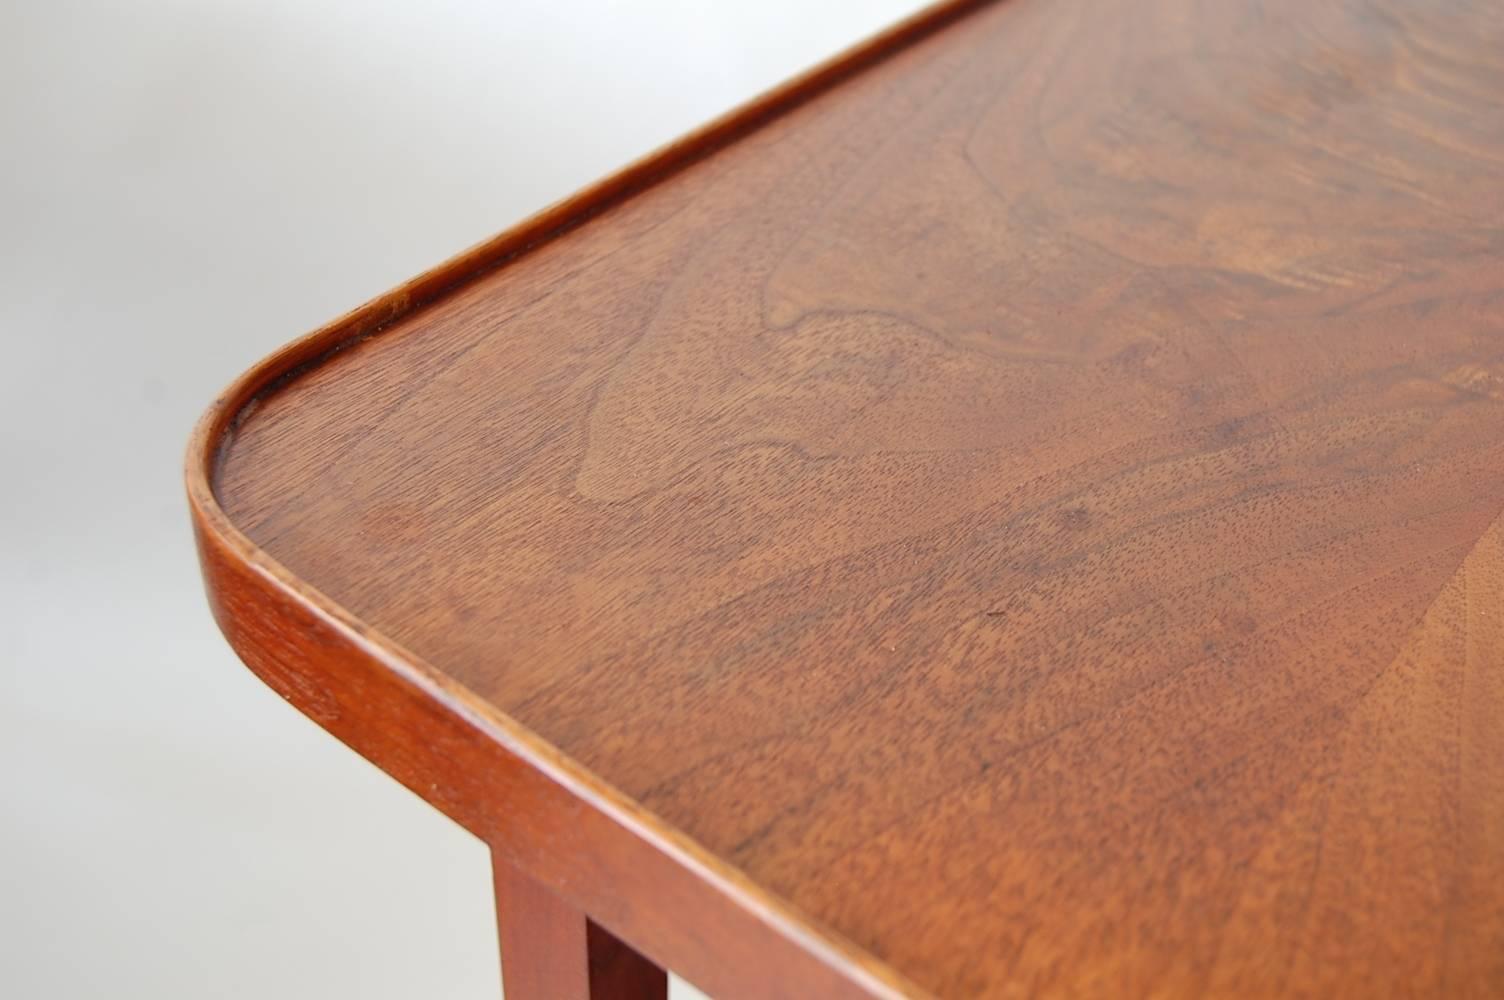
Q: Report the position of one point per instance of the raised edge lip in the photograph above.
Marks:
(857, 965)
(215, 430)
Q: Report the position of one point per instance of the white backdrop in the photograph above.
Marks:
(184, 185)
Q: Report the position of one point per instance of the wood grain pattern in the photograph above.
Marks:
(1025, 517)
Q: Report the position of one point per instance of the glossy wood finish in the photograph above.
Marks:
(1020, 510)
(554, 952)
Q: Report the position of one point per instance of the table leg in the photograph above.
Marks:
(552, 951)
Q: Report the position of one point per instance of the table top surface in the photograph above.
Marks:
(1032, 503)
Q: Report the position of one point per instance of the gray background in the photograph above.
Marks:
(184, 185)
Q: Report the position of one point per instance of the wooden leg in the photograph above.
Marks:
(551, 951)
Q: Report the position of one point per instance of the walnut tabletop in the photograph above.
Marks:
(1014, 511)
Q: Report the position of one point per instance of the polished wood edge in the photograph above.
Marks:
(216, 428)
(631, 873)
(516, 789)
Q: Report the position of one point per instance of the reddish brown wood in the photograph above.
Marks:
(1019, 511)
(559, 823)
(552, 951)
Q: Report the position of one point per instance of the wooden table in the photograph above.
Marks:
(1015, 511)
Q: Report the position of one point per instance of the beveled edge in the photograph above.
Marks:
(357, 683)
